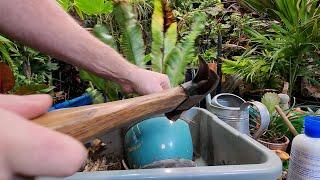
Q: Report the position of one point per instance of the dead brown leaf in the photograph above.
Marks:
(7, 79)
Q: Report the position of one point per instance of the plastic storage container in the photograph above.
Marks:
(222, 154)
(305, 152)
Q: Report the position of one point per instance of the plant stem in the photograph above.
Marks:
(286, 121)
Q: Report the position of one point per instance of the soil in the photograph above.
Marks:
(98, 160)
(103, 163)
(274, 140)
(67, 82)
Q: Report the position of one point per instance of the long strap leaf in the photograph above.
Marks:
(187, 45)
(157, 26)
(170, 40)
(175, 66)
(132, 44)
(180, 56)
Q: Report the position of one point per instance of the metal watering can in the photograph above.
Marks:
(234, 110)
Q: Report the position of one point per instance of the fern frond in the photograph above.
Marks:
(180, 56)
(131, 43)
(102, 33)
(157, 46)
(187, 45)
(170, 39)
(175, 66)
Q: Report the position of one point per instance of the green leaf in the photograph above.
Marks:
(65, 4)
(285, 20)
(4, 40)
(95, 95)
(270, 100)
(79, 12)
(99, 82)
(102, 33)
(157, 28)
(34, 89)
(183, 54)
(260, 6)
(170, 38)
(175, 67)
(94, 7)
(187, 46)
(47, 90)
(4, 53)
(113, 90)
(132, 44)
(147, 58)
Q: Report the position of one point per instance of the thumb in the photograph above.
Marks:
(37, 151)
(29, 106)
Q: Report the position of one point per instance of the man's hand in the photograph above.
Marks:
(146, 82)
(32, 150)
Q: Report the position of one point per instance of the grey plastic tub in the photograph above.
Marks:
(224, 154)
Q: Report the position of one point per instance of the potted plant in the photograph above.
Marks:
(274, 138)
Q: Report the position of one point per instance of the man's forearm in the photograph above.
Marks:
(43, 25)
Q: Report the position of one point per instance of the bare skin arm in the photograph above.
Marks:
(43, 25)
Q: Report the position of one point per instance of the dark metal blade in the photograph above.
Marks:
(205, 81)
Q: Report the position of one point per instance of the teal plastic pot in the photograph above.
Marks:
(157, 139)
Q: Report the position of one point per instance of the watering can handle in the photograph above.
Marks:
(208, 101)
(264, 114)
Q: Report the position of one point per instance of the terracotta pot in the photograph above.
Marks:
(276, 146)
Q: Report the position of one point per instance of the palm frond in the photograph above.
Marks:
(260, 6)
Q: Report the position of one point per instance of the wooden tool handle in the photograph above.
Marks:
(287, 121)
(85, 122)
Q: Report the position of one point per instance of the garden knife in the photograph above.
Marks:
(86, 122)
